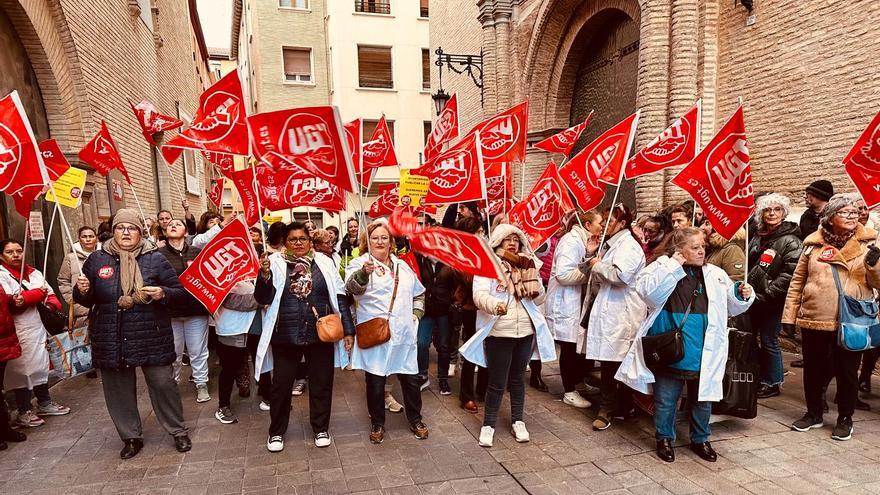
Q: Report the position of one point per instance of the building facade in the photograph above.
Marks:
(806, 72)
(76, 62)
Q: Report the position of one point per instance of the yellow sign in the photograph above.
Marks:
(413, 188)
(69, 188)
(272, 219)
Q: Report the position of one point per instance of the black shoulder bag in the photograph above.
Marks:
(667, 348)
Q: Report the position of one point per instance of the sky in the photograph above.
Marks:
(216, 19)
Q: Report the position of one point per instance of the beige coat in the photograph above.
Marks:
(67, 276)
(812, 296)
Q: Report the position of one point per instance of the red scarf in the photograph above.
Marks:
(16, 272)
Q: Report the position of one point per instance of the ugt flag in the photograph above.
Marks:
(379, 150)
(311, 139)
(540, 213)
(677, 145)
(456, 174)
(445, 129)
(22, 171)
(219, 124)
(292, 188)
(720, 178)
(503, 137)
(228, 259)
(498, 183)
(54, 159)
(243, 180)
(223, 162)
(216, 193)
(354, 138)
(151, 121)
(862, 163)
(102, 154)
(564, 141)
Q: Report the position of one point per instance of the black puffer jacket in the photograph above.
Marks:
(440, 283)
(140, 336)
(772, 260)
(180, 261)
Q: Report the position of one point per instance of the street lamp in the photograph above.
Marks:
(440, 98)
(472, 65)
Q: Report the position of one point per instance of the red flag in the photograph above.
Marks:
(379, 150)
(244, 184)
(459, 250)
(311, 139)
(386, 202)
(677, 145)
(563, 142)
(102, 154)
(22, 171)
(456, 174)
(151, 121)
(720, 178)
(354, 138)
(228, 259)
(540, 213)
(445, 129)
(503, 137)
(219, 124)
(54, 159)
(291, 188)
(497, 177)
(216, 193)
(225, 163)
(603, 159)
(409, 258)
(498, 206)
(862, 163)
(403, 223)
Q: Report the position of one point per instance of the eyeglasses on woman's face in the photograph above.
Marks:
(848, 213)
(124, 229)
(298, 240)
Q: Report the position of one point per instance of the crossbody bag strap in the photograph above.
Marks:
(687, 312)
(837, 281)
(394, 292)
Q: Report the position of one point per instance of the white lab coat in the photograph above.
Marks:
(398, 355)
(618, 310)
(229, 322)
(562, 306)
(270, 314)
(32, 367)
(655, 284)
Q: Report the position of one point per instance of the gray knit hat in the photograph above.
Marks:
(837, 203)
(127, 215)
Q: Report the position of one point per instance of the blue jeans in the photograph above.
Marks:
(191, 333)
(436, 329)
(768, 326)
(667, 392)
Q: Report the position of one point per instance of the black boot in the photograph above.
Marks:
(705, 451)
(537, 383)
(665, 451)
(766, 391)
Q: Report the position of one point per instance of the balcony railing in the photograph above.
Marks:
(372, 6)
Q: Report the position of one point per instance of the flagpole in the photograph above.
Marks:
(66, 229)
(171, 173)
(746, 263)
(49, 238)
(143, 217)
(504, 187)
(27, 232)
(257, 192)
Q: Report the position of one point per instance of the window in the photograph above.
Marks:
(373, 6)
(294, 4)
(302, 217)
(215, 69)
(426, 69)
(191, 170)
(374, 67)
(146, 12)
(427, 130)
(423, 8)
(298, 65)
(370, 127)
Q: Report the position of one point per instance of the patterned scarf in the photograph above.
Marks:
(838, 241)
(300, 272)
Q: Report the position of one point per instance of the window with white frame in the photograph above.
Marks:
(297, 65)
(294, 4)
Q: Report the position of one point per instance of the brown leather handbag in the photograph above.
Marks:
(329, 327)
(376, 331)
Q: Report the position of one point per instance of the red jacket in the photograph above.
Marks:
(9, 346)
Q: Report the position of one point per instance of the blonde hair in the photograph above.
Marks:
(365, 238)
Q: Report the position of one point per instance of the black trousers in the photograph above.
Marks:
(230, 364)
(264, 384)
(869, 362)
(572, 365)
(412, 397)
(506, 358)
(824, 358)
(466, 392)
(287, 361)
(616, 397)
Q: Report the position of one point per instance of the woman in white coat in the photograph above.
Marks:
(383, 286)
(617, 311)
(670, 285)
(509, 325)
(565, 297)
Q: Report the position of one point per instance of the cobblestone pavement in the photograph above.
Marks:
(78, 453)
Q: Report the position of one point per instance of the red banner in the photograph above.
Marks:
(862, 163)
(676, 146)
(311, 139)
(720, 178)
(354, 138)
(53, 158)
(292, 188)
(497, 177)
(456, 174)
(379, 150)
(503, 137)
(223, 162)
(228, 259)
(101, 153)
(459, 250)
(22, 172)
(540, 213)
(564, 141)
(445, 129)
(244, 184)
(498, 206)
(151, 121)
(603, 159)
(216, 193)
(386, 202)
(219, 125)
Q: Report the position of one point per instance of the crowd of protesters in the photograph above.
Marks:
(601, 286)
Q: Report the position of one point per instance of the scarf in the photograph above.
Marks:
(523, 283)
(300, 272)
(130, 279)
(15, 272)
(838, 241)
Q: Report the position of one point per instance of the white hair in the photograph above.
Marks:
(768, 200)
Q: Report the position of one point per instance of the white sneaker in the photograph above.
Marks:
(575, 399)
(391, 404)
(202, 394)
(451, 371)
(299, 388)
(520, 432)
(275, 444)
(323, 440)
(487, 434)
(264, 406)
(425, 385)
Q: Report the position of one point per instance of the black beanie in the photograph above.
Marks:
(822, 189)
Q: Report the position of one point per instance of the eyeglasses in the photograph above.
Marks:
(774, 209)
(848, 214)
(126, 229)
(383, 238)
(298, 240)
